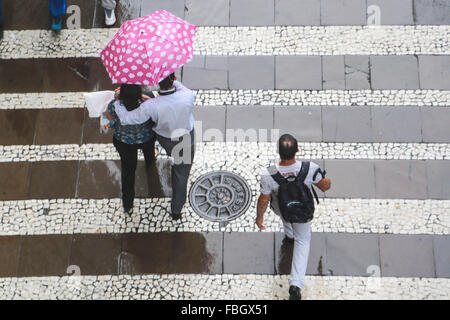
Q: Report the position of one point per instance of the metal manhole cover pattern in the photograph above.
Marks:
(220, 196)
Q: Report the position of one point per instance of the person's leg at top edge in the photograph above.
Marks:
(57, 11)
(110, 17)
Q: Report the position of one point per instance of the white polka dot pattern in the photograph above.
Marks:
(146, 50)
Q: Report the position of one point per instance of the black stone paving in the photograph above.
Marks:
(238, 72)
(312, 124)
(333, 254)
(73, 179)
(100, 179)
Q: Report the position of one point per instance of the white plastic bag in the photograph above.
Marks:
(97, 102)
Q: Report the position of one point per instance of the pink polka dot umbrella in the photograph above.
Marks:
(146, 50)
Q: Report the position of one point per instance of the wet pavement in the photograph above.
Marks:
(224, 13)
(82, 179)
(232, 73)
(216, 253)
(53, 75)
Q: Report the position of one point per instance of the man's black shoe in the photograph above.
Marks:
(294, 293)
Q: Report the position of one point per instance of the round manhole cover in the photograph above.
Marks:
(220, 196)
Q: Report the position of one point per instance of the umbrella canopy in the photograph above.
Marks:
(146, 50)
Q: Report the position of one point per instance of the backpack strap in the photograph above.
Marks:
(304, 169)
(322, 173)
(315, 194)
(276, 175)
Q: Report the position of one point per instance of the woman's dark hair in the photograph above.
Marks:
(130, 96)
(167, 83)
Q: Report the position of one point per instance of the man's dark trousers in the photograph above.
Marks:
(181, 169)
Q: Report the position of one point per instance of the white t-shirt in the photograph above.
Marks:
(270, 186)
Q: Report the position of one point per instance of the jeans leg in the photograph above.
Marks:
(109, 4)
(302, 236)
(128, 157)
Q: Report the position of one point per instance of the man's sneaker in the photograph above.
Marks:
(294, 293)
(56, 23)
(110, 17)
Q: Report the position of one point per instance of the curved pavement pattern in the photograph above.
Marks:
(369, 103)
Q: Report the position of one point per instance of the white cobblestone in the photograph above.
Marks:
(426, 98)
(280, 40)
(220, 287)
(262, 151)
(71, 216)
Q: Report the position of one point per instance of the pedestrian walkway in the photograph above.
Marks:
(369, 103)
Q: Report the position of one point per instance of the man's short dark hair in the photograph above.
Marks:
(287, 147)
(167, 83)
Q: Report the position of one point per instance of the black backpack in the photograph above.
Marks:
(294, 197)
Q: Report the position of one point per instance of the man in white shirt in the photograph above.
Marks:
(300, 233)
(172, 114)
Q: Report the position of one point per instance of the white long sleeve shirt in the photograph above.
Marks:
(171, 113)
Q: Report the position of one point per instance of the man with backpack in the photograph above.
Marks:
(287, 187)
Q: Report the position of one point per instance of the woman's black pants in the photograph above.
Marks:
(128, 156)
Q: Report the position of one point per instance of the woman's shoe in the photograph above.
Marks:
(128, 210)
(56, 23)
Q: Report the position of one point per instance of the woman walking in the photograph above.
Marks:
(128, 139)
